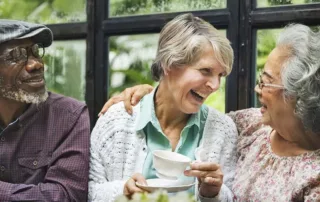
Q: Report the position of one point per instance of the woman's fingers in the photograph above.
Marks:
(130, 97)
(139, 178)
(134, 94)
(110, 102)
(139, 92)
(130, 187)
(209, 175)
(203, 174)
(204, 166)
(127, 94)
(204, 169)
(212, 181)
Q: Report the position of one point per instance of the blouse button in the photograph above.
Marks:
(35, 163)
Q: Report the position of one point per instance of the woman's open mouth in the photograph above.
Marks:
(198, 96)
(263, 108)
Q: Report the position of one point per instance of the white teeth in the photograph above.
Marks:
(201, 94)
(30, 81)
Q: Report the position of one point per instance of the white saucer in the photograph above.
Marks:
(168, 185)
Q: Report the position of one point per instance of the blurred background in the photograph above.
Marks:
(103, 46)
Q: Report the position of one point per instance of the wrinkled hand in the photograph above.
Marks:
(210, 177)
(130, 186)
(130, 97)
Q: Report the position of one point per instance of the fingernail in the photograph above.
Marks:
(99, 114)
(207, 180)
(193, 162)
(133, 102)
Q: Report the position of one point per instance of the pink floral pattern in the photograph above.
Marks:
(261, 175)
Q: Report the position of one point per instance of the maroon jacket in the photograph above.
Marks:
(44, 154)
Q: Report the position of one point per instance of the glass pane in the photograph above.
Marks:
(217, 99)
(267, 3)
(65, 66)
(266, 41)
(130, 61)
(44, 11)
(140, 7)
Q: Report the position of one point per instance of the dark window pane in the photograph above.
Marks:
(267, 3)
(138, 7)
(44, 11)
(130, 61)
(65, 65)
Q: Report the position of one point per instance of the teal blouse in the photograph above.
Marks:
(155, 138)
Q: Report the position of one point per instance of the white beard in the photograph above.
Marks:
(23, 96)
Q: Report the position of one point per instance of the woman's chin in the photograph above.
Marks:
(191, 109)
(265, 119)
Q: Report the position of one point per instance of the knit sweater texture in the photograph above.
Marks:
(118, 151)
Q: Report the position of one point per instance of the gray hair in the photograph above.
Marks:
(301, 73)
(181, 41)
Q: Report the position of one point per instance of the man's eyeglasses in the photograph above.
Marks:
(19, 54)
(261, 84)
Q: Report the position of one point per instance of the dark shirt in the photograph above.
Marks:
(44, 154)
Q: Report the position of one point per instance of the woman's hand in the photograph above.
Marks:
(130, 97)
(130, 186)
(210, 177)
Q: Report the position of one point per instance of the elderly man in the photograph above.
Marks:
(44, 137)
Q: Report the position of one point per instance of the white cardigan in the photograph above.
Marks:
(118, 151)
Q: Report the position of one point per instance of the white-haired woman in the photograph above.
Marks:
(192, 57)
(279, 144)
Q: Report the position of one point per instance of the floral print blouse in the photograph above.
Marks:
(261, 175)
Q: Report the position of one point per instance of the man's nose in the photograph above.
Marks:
(34, 65)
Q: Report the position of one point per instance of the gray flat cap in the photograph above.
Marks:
(14, 29)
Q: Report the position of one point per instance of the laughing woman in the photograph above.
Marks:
(279, 144)
(192, 57)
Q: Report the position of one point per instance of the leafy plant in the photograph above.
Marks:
(158, 196)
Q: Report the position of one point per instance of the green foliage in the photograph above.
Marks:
(158, 196)
(286, 2)
(138, 7)
(44, 11)
(266, 42)
(64, 65)
(217, 99)
(279, 2)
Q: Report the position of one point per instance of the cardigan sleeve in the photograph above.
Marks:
(100, 188)
(219, 146)
(107, 162)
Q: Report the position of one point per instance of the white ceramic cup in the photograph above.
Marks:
(169, 164)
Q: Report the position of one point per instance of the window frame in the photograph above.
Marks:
(240, 18)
